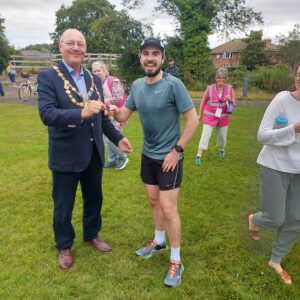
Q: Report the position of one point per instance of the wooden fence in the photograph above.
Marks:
(44, 62)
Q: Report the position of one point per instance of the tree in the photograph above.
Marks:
(199, 18)
(38, 47)
(254, 54)
(4, 47)
(289, 47)
(106, 31)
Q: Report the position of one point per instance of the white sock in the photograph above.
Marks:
(175, 254)
(159, 236)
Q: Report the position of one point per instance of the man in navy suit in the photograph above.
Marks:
(70, 104)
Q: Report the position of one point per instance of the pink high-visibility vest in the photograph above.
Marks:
(212, 101)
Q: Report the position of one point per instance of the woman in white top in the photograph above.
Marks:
(279, 159)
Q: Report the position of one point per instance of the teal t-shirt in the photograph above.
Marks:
(159, 106)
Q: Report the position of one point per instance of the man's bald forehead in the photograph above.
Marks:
(70, 32)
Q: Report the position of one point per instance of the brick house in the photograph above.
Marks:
(228, 54)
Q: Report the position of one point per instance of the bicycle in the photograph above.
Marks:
(26, 89)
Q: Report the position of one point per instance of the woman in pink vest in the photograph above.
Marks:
(213, 109)
(114, 93)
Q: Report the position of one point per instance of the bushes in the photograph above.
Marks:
(276, 78)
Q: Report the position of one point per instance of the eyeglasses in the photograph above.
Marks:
(218, 77)
(72, 44)
(297, 75)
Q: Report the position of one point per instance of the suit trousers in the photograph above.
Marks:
(280, 204)
(64, 192)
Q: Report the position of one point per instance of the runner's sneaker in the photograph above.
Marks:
(198, 160)
(173, 277)
(222, 153)
(151, 249)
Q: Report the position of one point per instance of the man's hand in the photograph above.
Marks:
(111, 110)
(297, 127)
(170, 161)
(125, 146)
(92, 108)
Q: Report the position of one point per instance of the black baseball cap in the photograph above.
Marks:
(152, 42)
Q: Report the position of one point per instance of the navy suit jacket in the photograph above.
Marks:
(71, 139)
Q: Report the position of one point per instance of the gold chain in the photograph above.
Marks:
(69, 88)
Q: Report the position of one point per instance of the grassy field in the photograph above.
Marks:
(221, 262)
(252, 95)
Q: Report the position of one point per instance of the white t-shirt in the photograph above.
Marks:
(281, 150)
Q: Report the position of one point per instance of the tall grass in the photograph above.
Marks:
(220, 260)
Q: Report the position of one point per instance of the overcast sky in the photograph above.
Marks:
(30, 21)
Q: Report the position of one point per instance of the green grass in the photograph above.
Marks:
(220, 260)
(252, 95)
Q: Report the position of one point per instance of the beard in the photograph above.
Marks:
(154, 73)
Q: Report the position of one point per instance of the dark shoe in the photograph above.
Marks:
(65, 259)
(110, 164)
(252, 233)
(100, 245)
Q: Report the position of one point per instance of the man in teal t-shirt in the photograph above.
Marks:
(160, 99)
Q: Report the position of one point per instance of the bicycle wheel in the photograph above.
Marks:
(24, 92)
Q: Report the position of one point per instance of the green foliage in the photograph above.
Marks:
(220, 261)
(4, 47)
(289, 47)
(106, 31)
(198, 19)
(39, 47)
(276, 78)
(254, 54)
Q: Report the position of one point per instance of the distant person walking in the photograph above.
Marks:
(279, 162)
(172, 69)
(1, 89)
(213, 111)
(11, 72)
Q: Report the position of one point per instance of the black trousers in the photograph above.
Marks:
(64, 192)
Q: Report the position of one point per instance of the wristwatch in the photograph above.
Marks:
(179, 149)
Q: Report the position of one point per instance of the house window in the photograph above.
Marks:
(227, 55)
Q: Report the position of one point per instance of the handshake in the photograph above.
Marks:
(94, 107)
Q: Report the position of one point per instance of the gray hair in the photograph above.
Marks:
(101, 65)
(222, 72)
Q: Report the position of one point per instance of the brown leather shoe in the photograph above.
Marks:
(100, 245)
(254, 234)
(65, 259)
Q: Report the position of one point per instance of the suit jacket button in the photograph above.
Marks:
(91, 139)
(92, 124)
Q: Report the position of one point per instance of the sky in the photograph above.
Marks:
(31, 21)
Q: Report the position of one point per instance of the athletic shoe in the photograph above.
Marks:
(122, 163)
(222, 153)
(151, 249)
(173, 277)
(198, 160)
(110, 164)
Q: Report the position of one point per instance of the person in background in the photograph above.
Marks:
(213, 111)
(160, 99)
(11, 72)
(279, 162)
(69, 103)
(172, 69)
(113, 92)
(1, 90)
